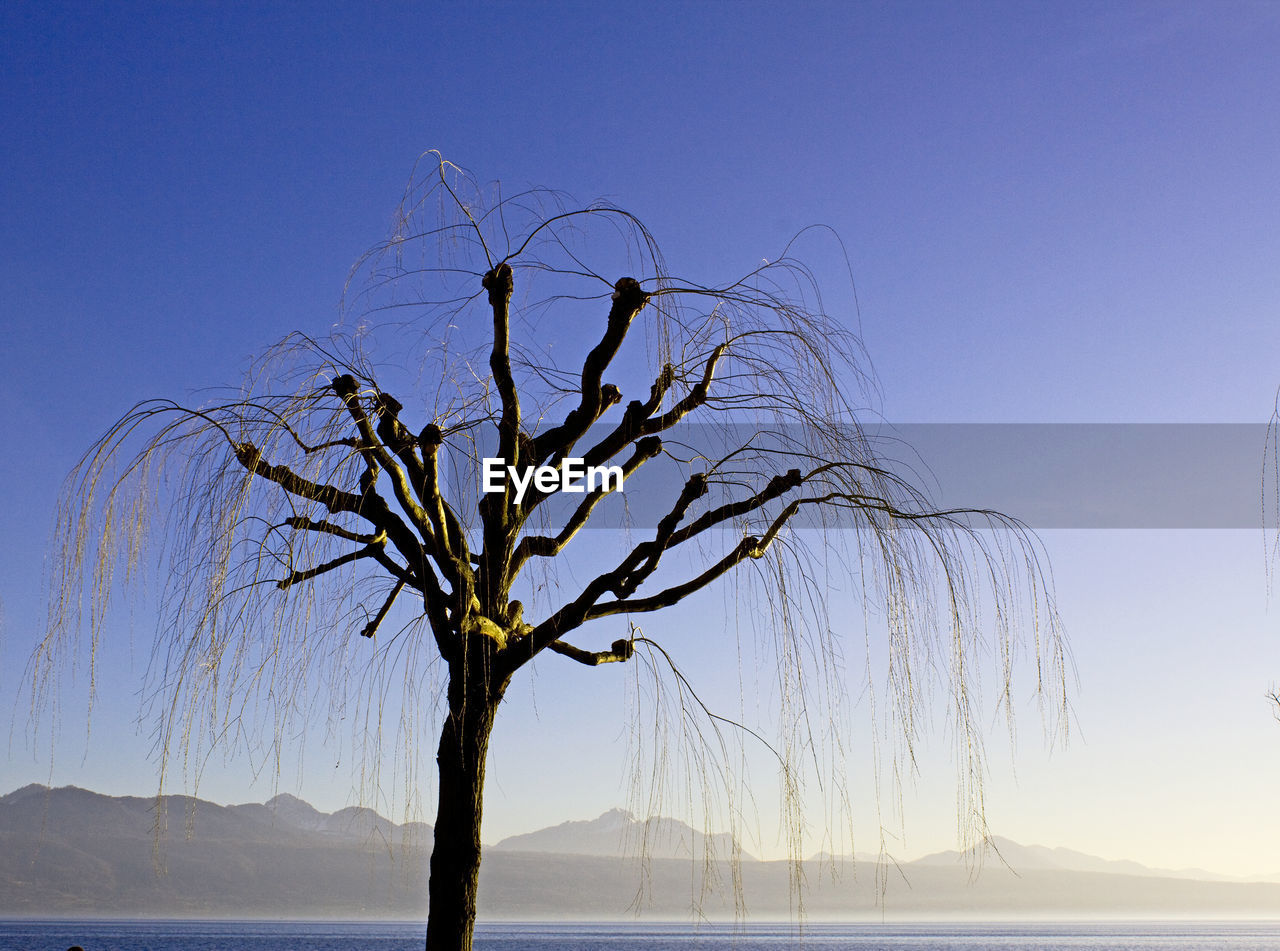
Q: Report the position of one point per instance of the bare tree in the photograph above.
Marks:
(314, 505)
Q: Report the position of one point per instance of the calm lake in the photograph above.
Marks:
(151, 935)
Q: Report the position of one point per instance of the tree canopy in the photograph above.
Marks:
(327, 525)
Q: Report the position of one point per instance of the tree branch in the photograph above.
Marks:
(641, 562)
(396, 436)
(497, 525)
(547, 546)
(368, 551)
(620, 651)
(638, 422)
(451, 537)
(331, 497)
(777, 486)
(371, 506)
(749, 547)
(376, 455)
(643, 559)
(371, 628)
(692, 400)
(499, 283)
(302, 523)
(628, 300)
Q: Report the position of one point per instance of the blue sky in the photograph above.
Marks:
(1053, 213)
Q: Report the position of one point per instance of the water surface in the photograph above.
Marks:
(167, 935)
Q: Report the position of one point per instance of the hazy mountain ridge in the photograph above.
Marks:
(1002, 851)
(618, 832)
(70, 851)
(70, 809)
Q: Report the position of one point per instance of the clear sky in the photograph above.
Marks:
(1055, 212)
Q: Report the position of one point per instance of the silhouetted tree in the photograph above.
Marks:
(340, 494)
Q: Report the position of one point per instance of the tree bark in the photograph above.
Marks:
(455, 857)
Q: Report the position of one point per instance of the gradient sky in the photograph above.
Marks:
(1057, 212)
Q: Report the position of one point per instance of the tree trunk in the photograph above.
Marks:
(455, 858)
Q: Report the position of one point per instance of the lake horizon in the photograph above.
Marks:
(185, 934)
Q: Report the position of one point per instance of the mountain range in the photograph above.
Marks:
(1027, 857)
(72, 852)
(618, 833)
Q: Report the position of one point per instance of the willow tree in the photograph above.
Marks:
(358, 502)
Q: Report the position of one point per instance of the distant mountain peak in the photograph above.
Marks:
(617, 815)
(617, 832)
(997, 850)
(287, 799)
(31, 789)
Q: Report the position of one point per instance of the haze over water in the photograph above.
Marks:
(126, 935)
